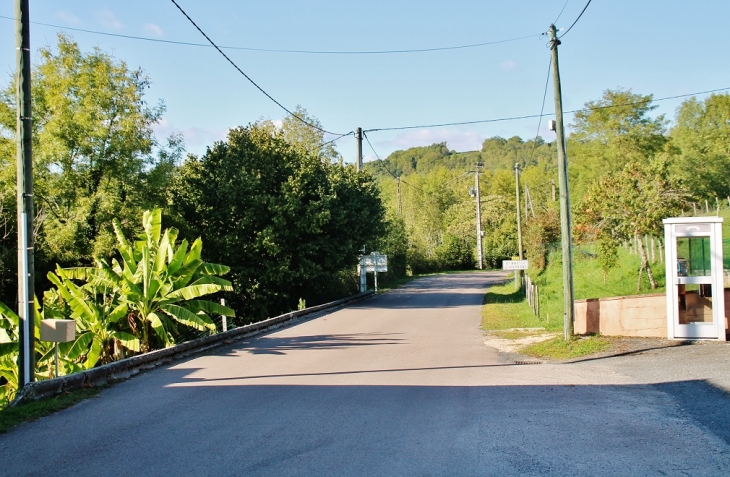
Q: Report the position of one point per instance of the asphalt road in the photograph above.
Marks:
(398, 384)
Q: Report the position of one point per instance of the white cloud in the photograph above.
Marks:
(154, 30)
(108, 19)
(196, 138)
(68, 17)
(508, 65)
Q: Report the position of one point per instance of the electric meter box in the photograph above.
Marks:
(58, 331)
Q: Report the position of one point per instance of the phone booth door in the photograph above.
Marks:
(693, 291)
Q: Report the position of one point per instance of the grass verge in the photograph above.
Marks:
(13, 416)
(558, 348)
(505, 308)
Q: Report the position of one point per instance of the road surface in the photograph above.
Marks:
(398, 384)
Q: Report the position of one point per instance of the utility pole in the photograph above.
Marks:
(519, 218)
(26, 308)
(400, 204)
(520, 274)
(565, 226)
(358, 135)
(480, 253)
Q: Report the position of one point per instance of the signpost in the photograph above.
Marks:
(514, 265)
(375, 262)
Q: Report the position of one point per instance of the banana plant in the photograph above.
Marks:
(160, 282)
(97, 312)
(8, 354)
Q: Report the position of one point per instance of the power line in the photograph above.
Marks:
(382, 162)
(531, 116)
(561, 11)
(338, 138)
(576, 20)
(542, 108)
(313, 126)
(275, 50)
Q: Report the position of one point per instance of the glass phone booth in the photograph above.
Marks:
(695, 289)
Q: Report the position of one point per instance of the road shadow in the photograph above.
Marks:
(279, 345)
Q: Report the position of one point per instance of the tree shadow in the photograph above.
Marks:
(279, 345)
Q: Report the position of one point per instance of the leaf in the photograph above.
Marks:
(188, 318)
(152, 221)
(126, 340)
(80, 345)
(213, 269)
(157, 325)
(118, 312)
(193, 291)
(92, 356)
(9, 314)
(209, 307)
(178, 259)
(123, 246)
(8, 348)
(213, 280)
(162, 250)
(195, 250)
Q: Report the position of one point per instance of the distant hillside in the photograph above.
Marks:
(496, 153)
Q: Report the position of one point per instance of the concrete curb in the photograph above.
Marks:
(125, 368)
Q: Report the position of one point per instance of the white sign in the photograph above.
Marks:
(514, 265)
(376, 263)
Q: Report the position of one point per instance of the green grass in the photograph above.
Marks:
(13, 416)
(505, 308)
(558, 348)
(588, 280)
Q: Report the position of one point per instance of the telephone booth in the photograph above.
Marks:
(695, 279)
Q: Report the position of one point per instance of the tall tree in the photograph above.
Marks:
(93, 151)
(610, 133)
(629, 203)
(702, 136)
(286, 221)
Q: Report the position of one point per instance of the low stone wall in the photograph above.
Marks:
(638, 315)
(124, 368)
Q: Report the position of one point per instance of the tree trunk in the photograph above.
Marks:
(645, 266)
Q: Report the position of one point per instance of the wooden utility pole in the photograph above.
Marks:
(400, 204)
(358, 160)
(26, 274)
(480, 252)
(565, 226)
(517, 208)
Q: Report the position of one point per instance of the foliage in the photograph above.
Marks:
(610, 133)
(93, 153)
(630, 203)
(287, 222)
(540, 232)
(701, 137)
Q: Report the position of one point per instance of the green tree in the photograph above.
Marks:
(285, 220)
(702, 136)
(629, 203)
(94, 153)
(610, 133)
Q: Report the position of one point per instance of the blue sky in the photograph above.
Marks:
(662, 47)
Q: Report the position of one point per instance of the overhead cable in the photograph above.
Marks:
(311, 125)
(276, 50)
(576, 20)
(530, 116)
(383, 163)
(561, 11)
(542, 108)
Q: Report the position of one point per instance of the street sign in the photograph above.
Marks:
(376, 262)
(514, 265)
